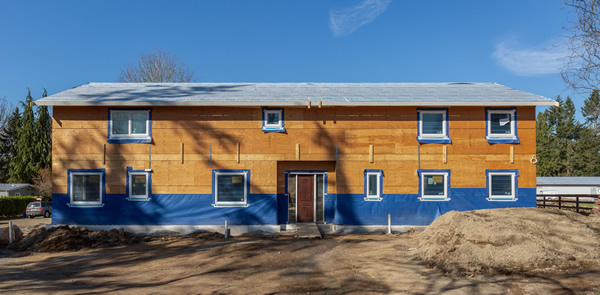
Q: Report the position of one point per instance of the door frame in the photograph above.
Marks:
(307, 172)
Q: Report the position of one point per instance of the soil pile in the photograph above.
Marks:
(514, 240)
(65, 238)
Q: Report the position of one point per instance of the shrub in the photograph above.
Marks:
(11, 206)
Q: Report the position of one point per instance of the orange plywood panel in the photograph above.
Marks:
(70, 141)
(79, 113)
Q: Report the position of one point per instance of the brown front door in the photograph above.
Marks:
(306, 198)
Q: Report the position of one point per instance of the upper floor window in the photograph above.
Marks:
(501, 126)
(433, 126)
(273, 120)
(129, 126)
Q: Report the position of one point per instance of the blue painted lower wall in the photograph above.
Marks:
(348, 209)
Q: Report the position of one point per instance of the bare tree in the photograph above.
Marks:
(4, 112)
(582, 66)
(157, 66)
(43, 182)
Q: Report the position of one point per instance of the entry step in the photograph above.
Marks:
(308, 230)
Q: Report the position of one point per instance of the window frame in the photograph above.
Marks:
(501, 138)
(215, 183)
(379, 174)
(433, 138)
(273, 127)
(102, 185)
(129, 137)
(447, 188)
(130, 174)
(515, 184)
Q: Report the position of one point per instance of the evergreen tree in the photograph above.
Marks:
(546, 151)
(558, 133)
(588, 144)
(23, 166)
(8, 142)
(43, 129)
(587, 159)
(591, 111)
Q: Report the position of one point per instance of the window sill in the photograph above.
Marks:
(85, 205)
(274, 130)
(138, 199)
(423, 139)
(373, 199)
(434, 199)
(502, 139)
(502, 199)
(229, 205)
(129, 140)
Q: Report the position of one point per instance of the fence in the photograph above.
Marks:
(578, 203)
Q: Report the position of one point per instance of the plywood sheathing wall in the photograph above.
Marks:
(79, 136)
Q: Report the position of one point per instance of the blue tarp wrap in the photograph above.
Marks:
(165, 209)
(409, 210)
(350, 209)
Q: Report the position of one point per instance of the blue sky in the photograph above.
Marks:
(61, 44)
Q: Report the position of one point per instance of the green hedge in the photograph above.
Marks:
(12, 206)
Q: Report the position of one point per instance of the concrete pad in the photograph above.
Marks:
(308, 230)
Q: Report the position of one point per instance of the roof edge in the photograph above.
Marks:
(291, 103)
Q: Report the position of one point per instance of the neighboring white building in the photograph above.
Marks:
(568, 186)
(16, 189)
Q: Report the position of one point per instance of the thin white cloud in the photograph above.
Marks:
(524, 61)
(343, 22)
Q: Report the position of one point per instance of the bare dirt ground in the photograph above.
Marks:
(204, 263)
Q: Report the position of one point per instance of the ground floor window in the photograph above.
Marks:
(373, 184)
(86, 187)
(434, 185)
(231, 187)
(502, 185)
(138, 184)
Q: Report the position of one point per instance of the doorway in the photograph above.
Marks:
(306, 192)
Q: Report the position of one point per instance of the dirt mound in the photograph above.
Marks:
(65, 238)
(514, 240)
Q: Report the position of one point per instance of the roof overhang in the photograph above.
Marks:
(294, 95)
(295, 103)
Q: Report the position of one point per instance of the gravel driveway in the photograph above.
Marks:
(24, 223)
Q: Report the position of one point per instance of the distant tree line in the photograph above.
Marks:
(26, 145)
(565, 146)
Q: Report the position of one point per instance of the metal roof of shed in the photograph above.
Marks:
(295, 94)
(569, 181)
(7, 187)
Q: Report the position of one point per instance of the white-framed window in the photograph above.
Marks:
(127, 125)
(373, 185)
(273, 120)
(17, 194)
(501, 126)
(231, 187)
(139, 185)
(434, 185)
(502, 185)
(433, 126)
(86, 188)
